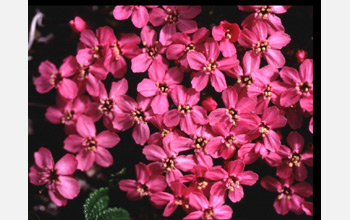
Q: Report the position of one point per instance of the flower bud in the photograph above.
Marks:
(209, 104)
(78, 24)
(301, 55)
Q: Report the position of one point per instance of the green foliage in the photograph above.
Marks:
(96, 207)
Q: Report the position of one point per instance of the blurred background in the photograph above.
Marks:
(55, 40)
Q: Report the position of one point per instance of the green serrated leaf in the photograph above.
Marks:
(114, 214)
(96, 203)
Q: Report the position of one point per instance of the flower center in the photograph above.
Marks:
(263, 129)
(90, 144)
(303, 87)
(83, 70)
(199, 143)
(285, 193)
(190, 47)
(116, 50)
(169, 164)
(68, 115)
(184, 109)
(172, 17)
(163, 86)
(232, 114)
(142, 189)
(263, 11)
(152, 51)
(261, 46)
(139, 115)
(97, 52)
(230, 141)
(267, 91)
(232, 183)
(106, 105)
(210, 66)
(165, 132)
(55, 78)
(245, 80)
(294, 159)
(201, 183)
(208, 213)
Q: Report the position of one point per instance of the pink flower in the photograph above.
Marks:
(117, 50)
(151, 58)
(301, 55)
(212, 209)
(198, 180)
(139, 14)
(134, 113)
(293, 159)
(208, 66)
(159, 86)
(78, 24)
(308, 208)
(238, 111)
(168, 158)
(299, 85)
(57, 178)
(271, 119)
(290, 196)
(228, 140)
(265, 87)
(209, 104)
(67, 113)
(179, 197)
(157, 137)
(174, 16)
(231, 179)
(295, 115)
(266, 14)
(188, 114)
(250, 152)
(148, 181)
(183, 43)
(227, 33)
(263, 46)
(90, 147)
(51, 77)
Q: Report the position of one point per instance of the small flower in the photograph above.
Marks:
(139, 14)
(90, 147)
(209, 104)
(227, 33)
(57, 178)
(301, 55)
(78, 24)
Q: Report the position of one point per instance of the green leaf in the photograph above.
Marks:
(96, 203)
(113, 214)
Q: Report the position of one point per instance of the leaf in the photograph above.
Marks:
(96, 203)
(113, 214)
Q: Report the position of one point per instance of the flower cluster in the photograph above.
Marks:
(198, 155)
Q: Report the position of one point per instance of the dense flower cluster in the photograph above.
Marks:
(198, 156)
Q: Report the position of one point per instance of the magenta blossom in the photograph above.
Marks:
(208, 66)
(57, 178)
(227, 33)
(139, 14)
(250, 152)
(263, 46)
(174, 16)
(209, 104)
(67, 113)
(159, 86)
(178, 197)
(290, 196)
(148, 181)
(169, 159)
(188, 114)
(198, 180)
(231, 179)
(266, 14)
(135, 114)
(151, 58)
(293, 160)
(308, 208)
(183, 43)
(212, 209)
(157, 137)
(90, 147)
(78, 24)
(51, 77)
(299, 86)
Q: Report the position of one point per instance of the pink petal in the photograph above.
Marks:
(307, 207)
(216, 173)
(235, 167)
(122, 12)
(295, 141)
(200, 81)
(161, 198)
(107, 139)
(227, 48)
(141, 133)
(174, 75)
(187, 26)
(289, 97)
(42, 84)
(118, 88)
(170, 209)
(223, 212)
(66, 165)
(250, 63)
(270, 183)
(300, 173)
(154, 152)
(187, 125)
(122, 121)
(306, 103)
(56, 197)
(67, 88)
(171, 118)
(218, 81)
(103, 157)
(85, 56)
(54, 115)
(147, 88)
(247, 38)
(35, 177)
(140, 17)
(306, 70)
(85, 160)
(156, 16)
(180, 144)
(279, 39)
(185, 163)
(156, 183)
(73, 143)
(196, 60)
(68, 67)
(194, 215)
(85, 127)
(93, 85)
(88, 38)
(158, 66)
(275, 58)
(118, 68)
(303, 189)
(211, 49)
(127, 185)
(284, 171)
(199, 115)
(46, 68)
(142, 174)
(43, 158)
(68, 187)
(126, 103)
(294, 119)
(198, 201)
(282, 206)
(236, 195)
(166, 34)
(175, 51)
(272, 141)
(140, 63)
(248, 178)
(148, 36)
(160, 104)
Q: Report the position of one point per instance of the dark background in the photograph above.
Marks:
(257, 202)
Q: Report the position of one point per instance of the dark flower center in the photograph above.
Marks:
(261, 46)
(232, 183)
(53, 176)
(230, 141)
(106, 105)
(173, 16)
(199, 143)
(169, 164)
(264, 129)
(56, 78)
(208, 213)
(116, 50)
(184, 109)
(285, 193)
(232, 114)
(267, 91)
(165, 132)
(90, 144)
(294, 159)
(303, 87)
(138, 114)
(263, 11)
(163, 86)
(152, 51)
(201, 183)
(190, 47)
(97, 51)
(211, 65)
(68, 115)
(245, 80)
(142, 189)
